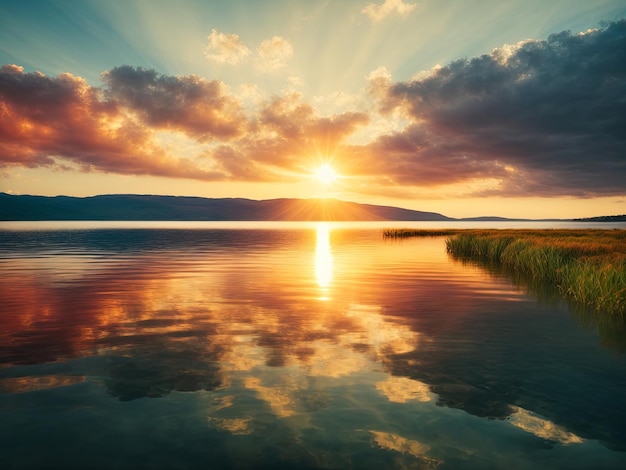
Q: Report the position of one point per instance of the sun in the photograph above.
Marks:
(325, 174)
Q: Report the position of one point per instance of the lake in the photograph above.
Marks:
(293, 345)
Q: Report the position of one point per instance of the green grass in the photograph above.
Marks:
(587, 266)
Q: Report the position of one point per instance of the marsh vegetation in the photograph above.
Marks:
(587, 266)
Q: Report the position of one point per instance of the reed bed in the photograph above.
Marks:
(409, 232)
(587, 266)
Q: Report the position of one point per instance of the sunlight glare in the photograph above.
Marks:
(325, 174)
(323, 257)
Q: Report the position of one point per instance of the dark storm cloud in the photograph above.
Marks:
(543, 117)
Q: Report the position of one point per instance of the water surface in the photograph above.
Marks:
(203, 345)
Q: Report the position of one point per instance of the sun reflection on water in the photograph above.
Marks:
(323, 259)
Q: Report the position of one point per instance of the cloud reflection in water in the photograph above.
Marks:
(238, 312)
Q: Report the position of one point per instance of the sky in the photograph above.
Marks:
(468, 108)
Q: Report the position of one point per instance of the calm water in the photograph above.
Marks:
(291, 346)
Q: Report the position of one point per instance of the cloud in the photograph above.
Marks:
(287, 132)
(377, 12)
(293, 118)
(189, 103)
(273, 53)
(225, 48)
(541, 117)
(45, 121)
(63, 122)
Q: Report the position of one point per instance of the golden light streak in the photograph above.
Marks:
(323, 257)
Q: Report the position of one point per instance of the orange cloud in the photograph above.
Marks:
(286, 133)
(45, 121)
(56, 121)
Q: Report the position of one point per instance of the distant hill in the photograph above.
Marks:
(490, 218)
(147, 207)
(604, 218)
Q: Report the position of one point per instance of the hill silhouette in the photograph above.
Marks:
(149, 207)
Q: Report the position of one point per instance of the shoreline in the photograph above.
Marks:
(587, 266)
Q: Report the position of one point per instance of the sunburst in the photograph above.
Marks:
(326, 174)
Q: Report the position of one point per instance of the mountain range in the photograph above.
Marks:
(150, 207)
